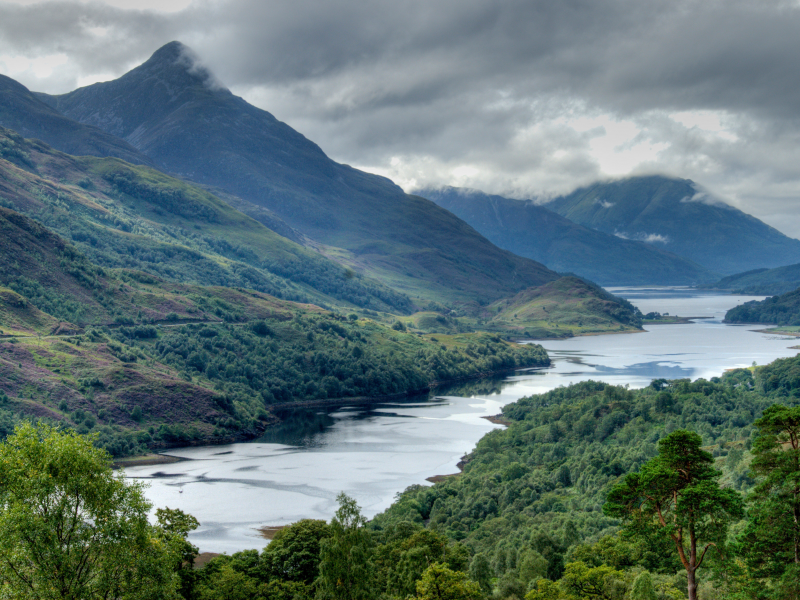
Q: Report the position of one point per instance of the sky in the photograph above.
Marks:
(525, 98)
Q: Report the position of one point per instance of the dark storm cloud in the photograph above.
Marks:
(420, 89)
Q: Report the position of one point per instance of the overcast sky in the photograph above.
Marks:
(525, 98)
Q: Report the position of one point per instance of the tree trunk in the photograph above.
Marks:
(692, 587)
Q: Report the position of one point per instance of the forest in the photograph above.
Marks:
(682, 489)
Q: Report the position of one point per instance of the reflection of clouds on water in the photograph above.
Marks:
(652, 370)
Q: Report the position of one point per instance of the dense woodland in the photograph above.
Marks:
(562, 504)
(776, 310)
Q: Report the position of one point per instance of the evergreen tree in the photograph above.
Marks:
(772, 539)
(345, 567)
(677, 495)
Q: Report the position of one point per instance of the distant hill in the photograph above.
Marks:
(777, 310)
(767, 282)
(538, 233)
(175, 112)
(674, 215)
(26, 114)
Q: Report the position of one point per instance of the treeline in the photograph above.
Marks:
(777, 310)
(145, 386)
(320, 356)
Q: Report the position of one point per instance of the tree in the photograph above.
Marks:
(643, 588)
(175, 527)
(440, 583)
(677, 495)
(345, 567)
(71, 529)
(583, 581)
(772, 538)
(293, 555)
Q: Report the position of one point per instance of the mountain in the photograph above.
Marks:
(767, 282)
(673, 214)
(26, 114)
(130, 216)
(536, 232)
(173, 110)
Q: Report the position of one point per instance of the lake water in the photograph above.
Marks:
(373, 452)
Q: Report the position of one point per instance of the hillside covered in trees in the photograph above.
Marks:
(575, 499)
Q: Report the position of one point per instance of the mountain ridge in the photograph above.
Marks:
(363, 221)
(675, 215)
(531, 230)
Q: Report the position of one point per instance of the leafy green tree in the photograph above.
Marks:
(772, 538)
(677, 495)
(643, 588)
(545, 590)
(345, 567)
(440, 583)
(294, 553)
(175, 526)
(480, 571)
(71, 529)
(230, 584)
(582, 581)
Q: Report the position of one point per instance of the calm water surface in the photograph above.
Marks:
(371, 453)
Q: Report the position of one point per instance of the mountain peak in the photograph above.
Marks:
(178, 63)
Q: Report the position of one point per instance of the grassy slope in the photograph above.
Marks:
(170, 113)
(540, 234)
(130, 216)
(79, 346)
(716, 236)
(565, 307)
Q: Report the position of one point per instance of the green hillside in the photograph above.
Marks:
(529, 501)
(534, 231)
(776, 310)
(767, 282)
(146, 362)
(126, 216)
(168, 111)
(672, 214)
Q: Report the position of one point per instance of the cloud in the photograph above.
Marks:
(527, 98)
(604, 203)
(650, 238)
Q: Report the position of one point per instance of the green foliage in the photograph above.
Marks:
(776, 310)
(294, 553)
(515, 506)
(345, 569)
(71, 529)
(676, 495)
(771, 541)
(643, 588)
(440, 583)
(322, 356)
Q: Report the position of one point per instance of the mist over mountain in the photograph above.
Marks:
(675, 215)
(534, 231)
(175, 112)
